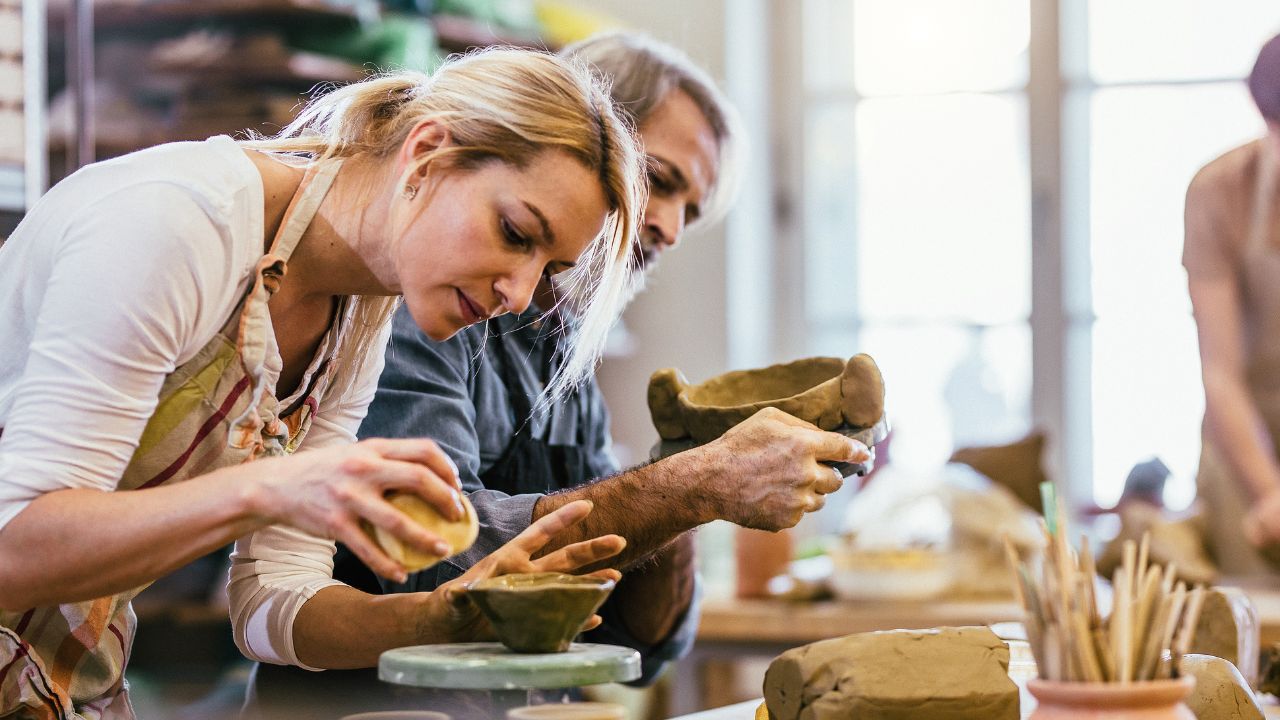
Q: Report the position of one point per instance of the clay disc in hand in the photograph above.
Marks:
(460, 535)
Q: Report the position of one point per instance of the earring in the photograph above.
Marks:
(410, 192)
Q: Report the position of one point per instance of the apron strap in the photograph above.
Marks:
(255, 339)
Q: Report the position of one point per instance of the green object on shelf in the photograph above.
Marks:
(395, 42)
(516, 15)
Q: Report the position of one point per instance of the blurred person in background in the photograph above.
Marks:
(1232, 257)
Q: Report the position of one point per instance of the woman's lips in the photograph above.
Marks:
(471, 313)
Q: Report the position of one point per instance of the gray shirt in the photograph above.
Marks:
(453, 392)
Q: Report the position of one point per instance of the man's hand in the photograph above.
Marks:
(771, 472)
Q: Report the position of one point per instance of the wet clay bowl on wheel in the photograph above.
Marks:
(826, 391)
(539, 612)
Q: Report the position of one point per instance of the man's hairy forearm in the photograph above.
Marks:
(654, 595)
(649, 506)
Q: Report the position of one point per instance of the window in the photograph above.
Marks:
(921, 245)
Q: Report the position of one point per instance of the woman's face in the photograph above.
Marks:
(481, 239)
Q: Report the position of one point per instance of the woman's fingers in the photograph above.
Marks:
(369, 553)
(420, 451)
(380, 513)
(606, 574)
(580, 554)
(592, 623)
(387, 474)
(537, 535)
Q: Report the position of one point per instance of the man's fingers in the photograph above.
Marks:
(537, 535)
(814, 503)
(835, 447)
(587, 552)
(592, 623)
(827, 479)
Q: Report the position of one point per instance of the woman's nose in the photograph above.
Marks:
(516, 288)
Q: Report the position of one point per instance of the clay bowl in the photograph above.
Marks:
(539, 612)
(826, 391)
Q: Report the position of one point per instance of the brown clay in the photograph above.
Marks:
(539, 612)
(940, 674)
(825, 391)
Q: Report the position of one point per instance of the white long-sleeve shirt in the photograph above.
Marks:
(119, 275)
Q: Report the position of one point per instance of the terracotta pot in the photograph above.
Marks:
(1153, 700)
(759, 555)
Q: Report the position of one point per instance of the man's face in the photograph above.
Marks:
(683, 158)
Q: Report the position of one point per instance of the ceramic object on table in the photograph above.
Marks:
(1150, 700)
(889, 573)
(539, 612)
(569, 711)
(826, 391)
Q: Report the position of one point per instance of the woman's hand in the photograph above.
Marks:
(452, 613)
(330, 492)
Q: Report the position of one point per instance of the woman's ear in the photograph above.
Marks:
(427, 136)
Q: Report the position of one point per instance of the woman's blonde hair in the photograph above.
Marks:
(642, 71)
(498, 104)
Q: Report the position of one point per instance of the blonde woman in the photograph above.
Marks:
(172, 314)
(475, 394)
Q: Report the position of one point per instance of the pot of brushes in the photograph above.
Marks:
(1121, 667)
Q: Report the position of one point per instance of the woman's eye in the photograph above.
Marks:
(513, 236)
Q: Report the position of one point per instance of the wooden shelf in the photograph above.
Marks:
(295, 67)
(459, 34)
(135, 14)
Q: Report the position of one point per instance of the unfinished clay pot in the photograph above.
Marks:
(539, 612)
(825, 391)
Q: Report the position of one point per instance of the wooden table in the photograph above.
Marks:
(734, 629)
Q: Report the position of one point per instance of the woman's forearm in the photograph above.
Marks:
(343, 628)
(79, 544)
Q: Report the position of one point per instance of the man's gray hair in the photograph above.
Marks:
(641, 71)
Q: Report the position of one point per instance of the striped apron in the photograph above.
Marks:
(218, 409)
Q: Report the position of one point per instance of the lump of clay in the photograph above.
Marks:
(951, 673)
(1177, 540)
(1221, 692)
(1228, 628)
(825, 391)
(459, 534)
